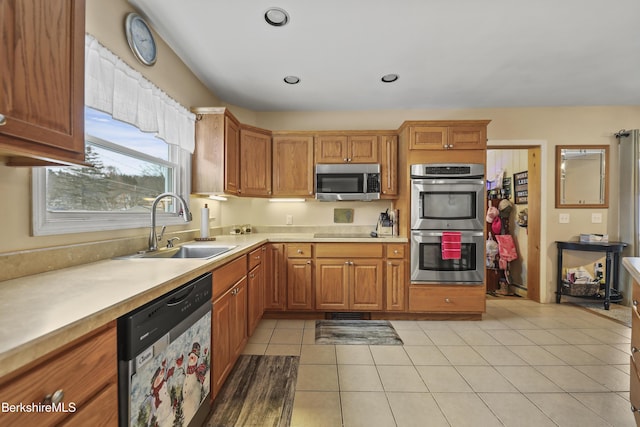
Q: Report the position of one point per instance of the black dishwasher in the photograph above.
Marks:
(164, 359)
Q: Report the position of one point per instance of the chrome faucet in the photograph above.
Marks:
(186, 215)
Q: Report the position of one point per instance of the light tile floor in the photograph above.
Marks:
(524, 364)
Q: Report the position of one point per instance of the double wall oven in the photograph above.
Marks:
(447, 208)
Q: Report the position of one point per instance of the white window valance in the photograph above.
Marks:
(114, 87)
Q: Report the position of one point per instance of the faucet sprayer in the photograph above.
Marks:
(186, 215)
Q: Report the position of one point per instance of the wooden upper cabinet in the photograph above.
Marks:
(231, 156)
(293, 165)
(42, 81)
(216, 159)
(389, 166)
(455, 135)
(255, 162)
(346, 149)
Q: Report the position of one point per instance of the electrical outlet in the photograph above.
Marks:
(289, 219)
(596, 218)
(564, 218)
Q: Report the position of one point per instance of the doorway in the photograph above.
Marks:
(525, 274)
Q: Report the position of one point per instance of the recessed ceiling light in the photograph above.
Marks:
(276, 17)
(292, 80)
(390, 78)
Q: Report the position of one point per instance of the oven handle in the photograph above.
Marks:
(447, 181)
(425, 233)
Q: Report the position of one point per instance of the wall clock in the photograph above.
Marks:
(140, 39)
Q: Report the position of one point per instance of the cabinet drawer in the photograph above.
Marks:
(447, 299)
(349, 250)
(395, 251)
(80, 371)
(299, 250)
(227, 276)
(255, 257)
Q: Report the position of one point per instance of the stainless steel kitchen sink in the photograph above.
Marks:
(197, 251)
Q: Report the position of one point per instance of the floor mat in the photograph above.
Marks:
(258, 392)
(368, 332)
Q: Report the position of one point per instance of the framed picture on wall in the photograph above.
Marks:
(521, 188)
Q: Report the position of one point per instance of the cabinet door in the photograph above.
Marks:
(331, 149)
(299, 284)
(467, 137)
(395, 285)
(275, 274)
(221, 345)
(365, 284)
(82, 372)
(428, 137)
(293, 166)
(255, 298)
(101, 411)
(332, 284)
(231, 156)
(389, 166)
(42, 80)
(255, 163)
(363, 149)
(238, 327)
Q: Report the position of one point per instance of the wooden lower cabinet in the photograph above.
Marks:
(275, 274)
(299, 276)
(634, 360)
(255, 288)
(86, 371)
(395, 285)
(446, 298)
(229, 332)
(332, 284)
(229, 319)
(299, 284)
(349, 284)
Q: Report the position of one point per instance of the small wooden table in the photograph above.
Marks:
(612, 250)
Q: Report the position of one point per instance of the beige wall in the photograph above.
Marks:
(563, 125)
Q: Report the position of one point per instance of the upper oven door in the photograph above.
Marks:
(428, 265)
(447, 204)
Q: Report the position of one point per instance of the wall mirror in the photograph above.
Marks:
(582, 176)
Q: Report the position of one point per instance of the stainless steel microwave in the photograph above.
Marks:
(347, 181)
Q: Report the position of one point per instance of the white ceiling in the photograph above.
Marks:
(448, 53)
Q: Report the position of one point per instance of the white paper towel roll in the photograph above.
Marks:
(204, 222)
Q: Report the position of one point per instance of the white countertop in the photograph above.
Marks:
(43, 312)
(632, 265)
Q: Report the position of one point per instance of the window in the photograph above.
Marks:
(130, 168)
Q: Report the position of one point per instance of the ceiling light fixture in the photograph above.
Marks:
(390, 78)
(276, 17)
(292, 80)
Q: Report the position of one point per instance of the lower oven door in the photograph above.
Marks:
(428, 265)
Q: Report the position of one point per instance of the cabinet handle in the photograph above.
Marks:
(395, 251)
(634, 350)
(345, 160)
(349, 159)
(299, 251)
(3, 120)
(309, 262)
(252, 276)
(257, 257)
(447, 300)
(634, 409)
(54, 398)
